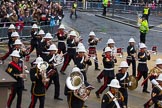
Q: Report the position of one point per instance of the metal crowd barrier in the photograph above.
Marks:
(25, 32)
(118, 6)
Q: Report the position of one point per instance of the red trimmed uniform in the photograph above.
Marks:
(108, 74)
(37, 88)
(15, 69)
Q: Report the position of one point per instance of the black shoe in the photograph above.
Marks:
(98, 79)
(97, 95)
(25, 89)
(145, 91)
(85, 106)
(63, 73)
(97, 69)
(57, 98)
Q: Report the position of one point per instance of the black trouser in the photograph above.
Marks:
(144, 74)
(133, 62)
(61, 47)
(142, 37)
(14, 91)
(34, 101)
(55, 79)
(67, 60)
(107, 80)
(125, 95)
(96, 62)
(73, 12)
(84, 75)
(104, 10)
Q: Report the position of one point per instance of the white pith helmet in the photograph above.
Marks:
(15, 53)
(159, 78)
(80, 44)
(92, 33)
(110, 41)
(108, 49)
(17, 42)
(81, 49)
(73, 33)
(131, 40)
(48, 35)
(38, 60)
(52, 47)
(11, 26)
(14, 34)
(123, 64)
(35, 26)
(142, 45)
(61, 26)
(41, 32)
(75, 69)
(158, 61)
(114, 83)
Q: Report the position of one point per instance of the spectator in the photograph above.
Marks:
(13, 17)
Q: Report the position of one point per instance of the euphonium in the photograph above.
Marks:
(42, 66)
(75, 82)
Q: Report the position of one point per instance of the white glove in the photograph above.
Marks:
(129, 83)
(154, 82)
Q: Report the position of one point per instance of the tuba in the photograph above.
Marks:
(42, 66)
(75, 82)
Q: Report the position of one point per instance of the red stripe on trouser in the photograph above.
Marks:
(139, 75)
(32, 101)
(104, 86)
(65, 63)
(10, 98)
(59, 51)
(100, 76)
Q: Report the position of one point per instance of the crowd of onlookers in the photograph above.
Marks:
(29, 11)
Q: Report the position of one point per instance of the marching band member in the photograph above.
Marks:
(113, 98)
(142, 68)
(122, 77)
(38, 43)
(157, 70)
(61, 35)
(93, 41)
(81, 61)
(131, 58)
(38, 87)
(34, 40)
(45, 44)
(71, 51)
(110, 43)
(11, 29)
(51, 60)
(108, 71)
(14, 36)
(156, 95)
(76, 93)
(15, 70)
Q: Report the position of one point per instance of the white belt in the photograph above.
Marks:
(82, 69)
(142, 62)
(61, 41)
(92, 46)
(108, 68)
(71, 47)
